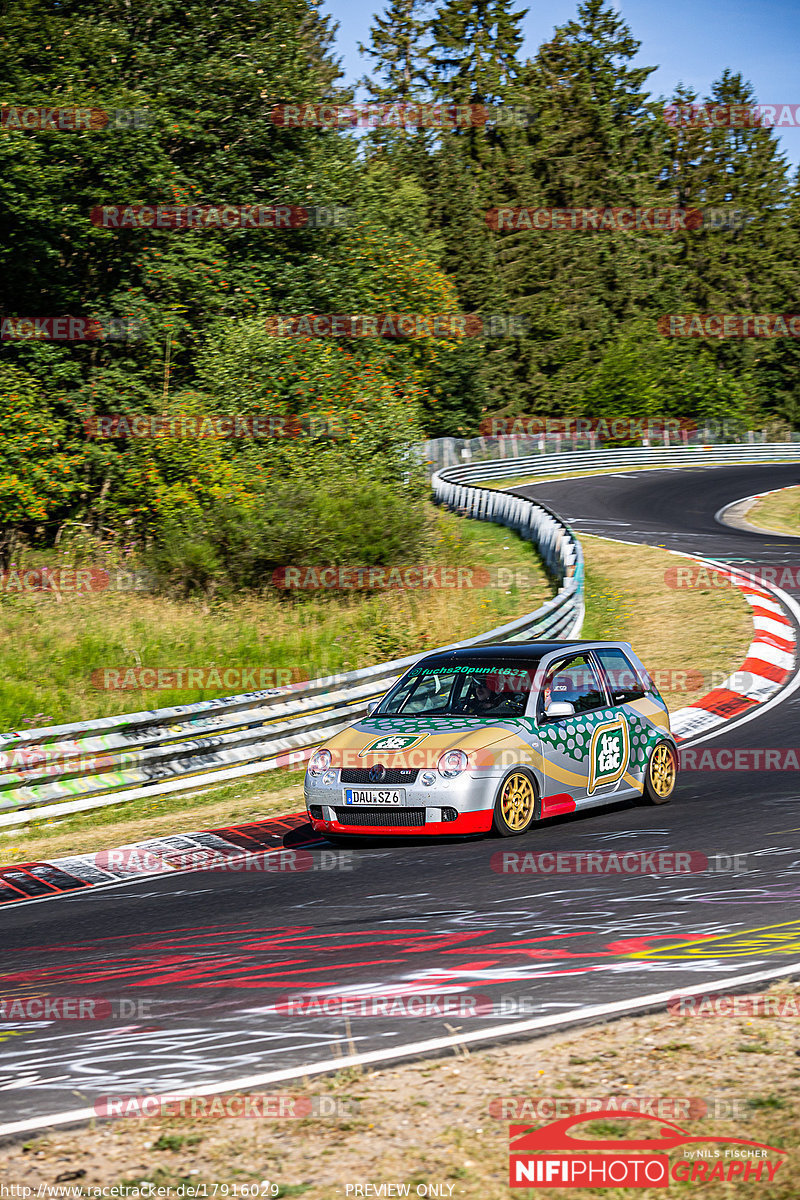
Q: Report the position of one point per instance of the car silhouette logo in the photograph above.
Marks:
(558, 1136)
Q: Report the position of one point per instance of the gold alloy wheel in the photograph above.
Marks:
(662, 770)
(517, 801)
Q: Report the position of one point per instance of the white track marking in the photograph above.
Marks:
(589, 1013)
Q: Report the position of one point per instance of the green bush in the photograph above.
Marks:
(351, 521)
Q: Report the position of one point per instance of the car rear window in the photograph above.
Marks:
(625, 682)
(576, 681)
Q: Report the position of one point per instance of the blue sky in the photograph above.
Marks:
(690, 41)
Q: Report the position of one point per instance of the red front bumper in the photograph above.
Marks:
(474, 822)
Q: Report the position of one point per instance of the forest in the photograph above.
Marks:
(109, 315)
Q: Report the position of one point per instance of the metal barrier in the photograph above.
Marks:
(72, 768)
(593, 460)
(440, 453)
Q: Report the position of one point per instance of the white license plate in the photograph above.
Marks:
(374, 796)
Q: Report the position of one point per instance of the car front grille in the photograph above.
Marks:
(393, 775)
(381, 816)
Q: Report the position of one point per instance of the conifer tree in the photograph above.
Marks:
(398, 50)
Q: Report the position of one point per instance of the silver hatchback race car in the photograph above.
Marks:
(495, 738)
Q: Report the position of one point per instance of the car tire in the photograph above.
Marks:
(661, 774)
(516, 804)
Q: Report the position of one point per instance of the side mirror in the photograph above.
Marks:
(559, 708)
(371, 705)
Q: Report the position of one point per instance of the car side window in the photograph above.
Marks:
(624, 681)
(576, 681)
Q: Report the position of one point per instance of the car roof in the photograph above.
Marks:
(516, 651)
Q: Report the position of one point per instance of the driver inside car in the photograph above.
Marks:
(485, 701)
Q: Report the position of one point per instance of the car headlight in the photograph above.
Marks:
(319, 762)
(452, 763)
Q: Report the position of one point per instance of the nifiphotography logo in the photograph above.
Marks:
(632, 1162)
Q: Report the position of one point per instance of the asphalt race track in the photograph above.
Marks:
(212, 955)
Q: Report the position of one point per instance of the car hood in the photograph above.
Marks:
(419, 742)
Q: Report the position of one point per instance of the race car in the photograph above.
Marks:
(495, 738)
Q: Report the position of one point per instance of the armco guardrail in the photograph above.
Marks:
(72, 768)
(592, 460)
(440, 453)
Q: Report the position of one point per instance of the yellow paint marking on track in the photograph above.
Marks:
(773, 939)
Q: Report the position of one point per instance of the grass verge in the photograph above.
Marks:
(430, 1122)
(778, 512)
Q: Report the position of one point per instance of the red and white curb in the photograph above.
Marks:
(768, 665)
(277, 844)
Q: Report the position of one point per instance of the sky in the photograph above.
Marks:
(690, 41)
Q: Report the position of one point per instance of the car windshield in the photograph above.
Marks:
(460, 690)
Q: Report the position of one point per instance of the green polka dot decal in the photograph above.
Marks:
(573, 739)
(438, 724)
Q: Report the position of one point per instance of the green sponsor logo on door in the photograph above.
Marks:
(394, 742)
(609, 752)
